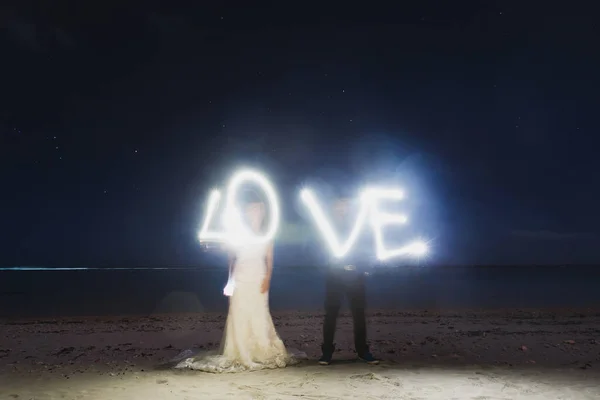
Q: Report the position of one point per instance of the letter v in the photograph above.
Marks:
(325, 227)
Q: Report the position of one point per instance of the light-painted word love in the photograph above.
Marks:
(236, 232)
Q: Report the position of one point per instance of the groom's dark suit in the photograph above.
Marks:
(345, 277)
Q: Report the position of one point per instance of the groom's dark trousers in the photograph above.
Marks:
(346, 282)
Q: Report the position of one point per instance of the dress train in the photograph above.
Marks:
(250, 341)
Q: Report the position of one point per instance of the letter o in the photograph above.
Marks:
(263, 182)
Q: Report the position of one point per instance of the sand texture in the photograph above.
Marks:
(504, 354)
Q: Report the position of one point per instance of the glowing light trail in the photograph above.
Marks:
(369, 209)
(338, 249)
(235, 231)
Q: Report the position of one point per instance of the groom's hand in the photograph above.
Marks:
(264, 287)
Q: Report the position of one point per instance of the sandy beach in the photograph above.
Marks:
(504, 354)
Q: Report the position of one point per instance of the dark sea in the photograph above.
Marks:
(172, 290)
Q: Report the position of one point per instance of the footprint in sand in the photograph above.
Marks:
(369, 377)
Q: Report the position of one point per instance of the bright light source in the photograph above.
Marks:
(229, 288)
(235, 231)
(418, 249)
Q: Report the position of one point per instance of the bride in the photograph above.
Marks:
(250, 341)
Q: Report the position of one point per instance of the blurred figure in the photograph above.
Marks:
(346, 276)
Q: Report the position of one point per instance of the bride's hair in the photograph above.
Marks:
(250, 196)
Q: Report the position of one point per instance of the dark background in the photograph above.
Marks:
(117, 118)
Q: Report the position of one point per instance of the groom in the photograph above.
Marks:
(346, 277)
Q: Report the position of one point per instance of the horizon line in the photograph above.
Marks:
(183, 267)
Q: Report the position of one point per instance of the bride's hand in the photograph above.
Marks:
(264, 287)
(228, 290)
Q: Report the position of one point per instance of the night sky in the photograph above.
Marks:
(117, 118)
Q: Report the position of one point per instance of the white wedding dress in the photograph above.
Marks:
(250, 341)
